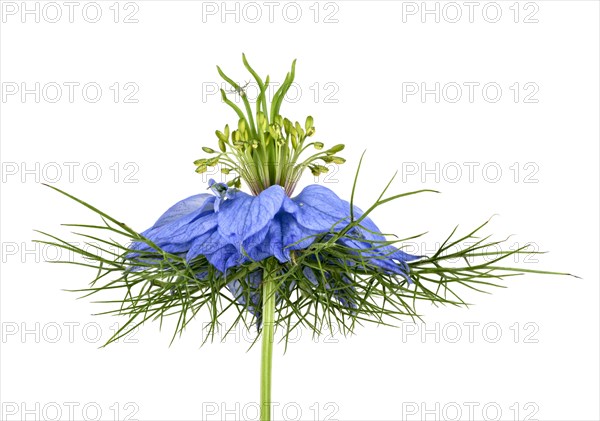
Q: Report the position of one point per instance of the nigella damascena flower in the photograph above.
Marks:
(313, 260)
(230, 228)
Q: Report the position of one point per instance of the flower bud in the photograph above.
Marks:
(318, 145)
(225, 170)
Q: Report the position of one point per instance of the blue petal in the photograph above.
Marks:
(245, 215)
(176, 217)
(318, 208)
(373, 235)
(178, 239)
(310, 275)
(208, 243)
(178, 234)
(376, 251)
(268, 242)
(185, 210)
(225, 258)
(294, 235)
(375, 257)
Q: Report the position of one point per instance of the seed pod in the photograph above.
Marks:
(310, 131)
(225, 170)
(207, 149)
(338, 160)
(222, 146)
(201, 169)
(200, 161)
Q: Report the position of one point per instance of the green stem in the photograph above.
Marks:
(268, 315)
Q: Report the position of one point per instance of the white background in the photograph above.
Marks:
(544, 365)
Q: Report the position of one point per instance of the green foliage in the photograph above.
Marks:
(164, 284)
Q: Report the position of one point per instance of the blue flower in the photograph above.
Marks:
(231, 228)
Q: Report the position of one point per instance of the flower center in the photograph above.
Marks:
(266, 149)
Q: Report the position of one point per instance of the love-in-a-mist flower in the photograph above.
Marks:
(231, 228)
(309, 260)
